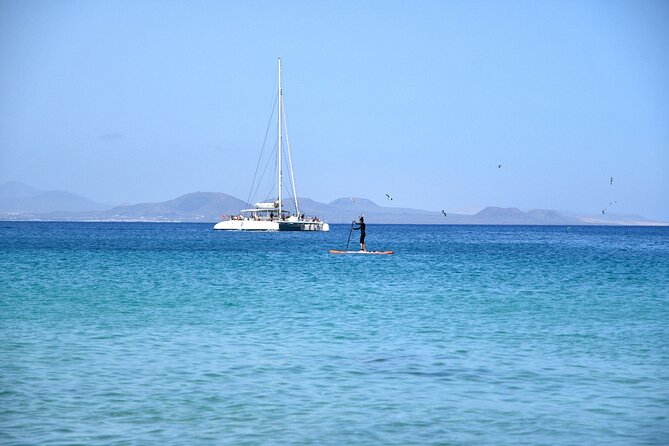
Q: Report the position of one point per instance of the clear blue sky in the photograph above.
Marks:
(129, 101)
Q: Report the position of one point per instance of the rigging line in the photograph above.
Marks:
(291, 205)
(290, 193)
(262, 150)
(275, 158)
(270, 193)
(290, 161)
(286, 187)
(269, 159)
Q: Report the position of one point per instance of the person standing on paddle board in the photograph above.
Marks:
(361, 227)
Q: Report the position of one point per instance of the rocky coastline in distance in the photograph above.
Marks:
(19, 202)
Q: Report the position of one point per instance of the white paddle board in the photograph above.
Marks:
(335, 251)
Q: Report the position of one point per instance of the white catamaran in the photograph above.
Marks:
(272, 215)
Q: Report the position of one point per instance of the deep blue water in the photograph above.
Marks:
(139, 333)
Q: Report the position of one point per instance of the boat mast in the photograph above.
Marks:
(280, 134)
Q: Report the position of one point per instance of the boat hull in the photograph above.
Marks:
(253, 225)
(247, 225)
(303, 226)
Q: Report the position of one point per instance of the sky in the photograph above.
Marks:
(143, 101)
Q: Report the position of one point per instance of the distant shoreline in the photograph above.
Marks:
(19, 202)
(157, 221)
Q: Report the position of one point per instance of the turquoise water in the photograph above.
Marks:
(142, 333)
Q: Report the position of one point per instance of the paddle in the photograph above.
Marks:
(349, 235)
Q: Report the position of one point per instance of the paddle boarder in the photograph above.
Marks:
(361, 228)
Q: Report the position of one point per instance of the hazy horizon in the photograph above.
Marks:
(612, 216)
(125, 102)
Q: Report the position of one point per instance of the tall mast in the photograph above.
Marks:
(280, 134)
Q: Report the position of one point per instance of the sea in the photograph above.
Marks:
(176, 334)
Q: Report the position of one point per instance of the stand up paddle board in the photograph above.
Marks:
(335, 251)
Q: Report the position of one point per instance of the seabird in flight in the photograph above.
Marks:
(389, 197)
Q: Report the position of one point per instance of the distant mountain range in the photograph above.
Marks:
(17, 198)
(21, 202)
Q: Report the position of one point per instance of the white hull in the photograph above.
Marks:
(252, 225)
(247, 225)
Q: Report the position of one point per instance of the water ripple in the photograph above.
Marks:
(176, 334)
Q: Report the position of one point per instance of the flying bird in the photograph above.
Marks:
(389, 197)
(444, 212)
(603, 211)
(499, 166)
(611, 181)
